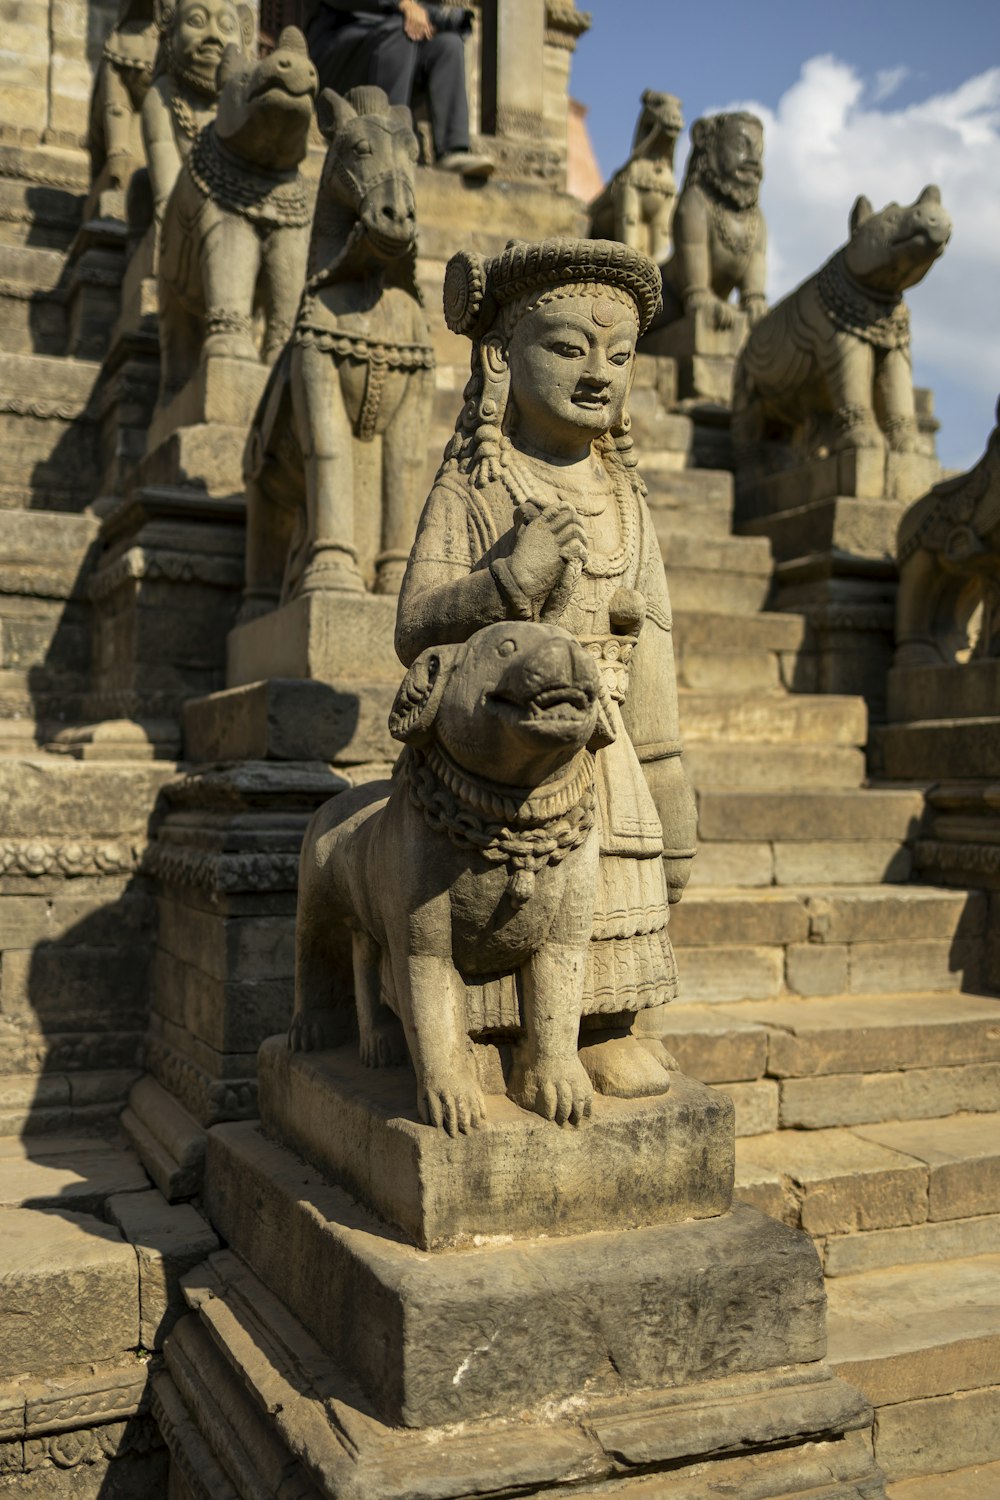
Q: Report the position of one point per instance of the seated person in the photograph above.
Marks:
(399, 46)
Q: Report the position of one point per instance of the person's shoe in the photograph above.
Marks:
(467, 163)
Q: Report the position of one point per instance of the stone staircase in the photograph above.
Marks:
(837, 1003)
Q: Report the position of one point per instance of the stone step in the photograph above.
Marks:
(766, 766)
(43, 795)
(707, 572)
(32, 304)
(689, 490)
(674, 508)
(922, 1342)
(831, 1062)
(32, 214)
(871, 813)
(740, 653)
(35, 1103)
(49, 635)
(851, 1181)
(32, 266)
(36, 703)
(971, 1482)
(793, 719)
(47, 434)
(45, 554)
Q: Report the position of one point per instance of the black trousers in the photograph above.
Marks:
(351, 53)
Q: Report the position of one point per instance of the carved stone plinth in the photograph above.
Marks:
(221, 392)
(640, 1161)
(328, 637)
(224, 871)
(94, 269)
(848, 604)
(690, 1350)
(868, 473)
(292, 719)
(797, 1430)
(705, 355)
(165, 592)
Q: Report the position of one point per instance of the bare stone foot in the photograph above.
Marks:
(314, 1031)
(623, 1067)
(656, 1050)
(455, 1105)
(384, 1045)
(559, 1091)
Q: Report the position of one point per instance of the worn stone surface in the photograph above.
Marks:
(902, 1334)
(938, 1435)
(918, 1093)
(72, 1170)
(406, 1324)
(292, 719)
(168, 1140)
(327, 637)
(975, 1482)
(637, 1162)
(70, 1291)
(843, 1181)
(962, 1157)
(169, 1239)
(715, 1047)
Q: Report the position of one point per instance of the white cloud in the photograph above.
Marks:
(828, 141)
(888, 81)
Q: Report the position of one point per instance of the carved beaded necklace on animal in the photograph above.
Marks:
(272, 197)
(524, 828)
(883, 321)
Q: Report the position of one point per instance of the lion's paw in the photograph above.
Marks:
(313, 1031)
(384, 1046)
(561, 1092)
(456, 1107)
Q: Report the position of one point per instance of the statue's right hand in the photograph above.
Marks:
(545, 543)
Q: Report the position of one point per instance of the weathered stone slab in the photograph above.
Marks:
(168, 1140)
(810, 816)
(70, 1292)
(73, 1171)
(766, 766)
(842, 1180)
(857, 1035)
(939, 1434)
(638, 1161)
(936, 749)
(733, 865)
(947, 1239)
(906, 1333)
(329, 637)
(816, 968)
(291, 719)
(222, 391)
(841, 861)
(731, 974)
(756, 1105)
(169, 1239)
(977, 1482)
(767, 918)
(905, 912)
(798, 719)
(455, 1335)
(962, 1156)
(970, 690)
(712, 1045)
(860, 1098)
(912, 965)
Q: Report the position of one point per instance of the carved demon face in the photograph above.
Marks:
(199, 33)
(739, 150)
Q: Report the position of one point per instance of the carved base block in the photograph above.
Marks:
(705, 356)
(967, 691)
(637, 1161)
(328, 637)
(250, 1404)
(94, 270)
(223, 391)
(167, 1139)
(939, 747)
(459, 1335)
(165, 593)
(292, 719)
(844, 524)
(867, 473)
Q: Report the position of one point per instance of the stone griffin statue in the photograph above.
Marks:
(344, 419)
(185, 89)
(236, 229)
(124, 76)
(948, 550)
(535, 621)
(830, 363)
(637, 205)
(719, 234)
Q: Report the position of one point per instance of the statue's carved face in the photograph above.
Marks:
(202, 31)
(739, 151)
(571, 363)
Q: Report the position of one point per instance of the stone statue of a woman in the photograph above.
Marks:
(538, 512)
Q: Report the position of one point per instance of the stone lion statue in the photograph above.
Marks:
(719, 234)
(637, 205)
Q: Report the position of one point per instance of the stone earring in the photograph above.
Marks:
(491, 406)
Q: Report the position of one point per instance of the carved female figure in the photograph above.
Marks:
(538, 512)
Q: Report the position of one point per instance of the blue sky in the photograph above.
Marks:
(856, 97)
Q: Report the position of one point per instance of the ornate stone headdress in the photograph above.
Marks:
(476, 289)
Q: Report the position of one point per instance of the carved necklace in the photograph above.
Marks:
(269, 197)
(184, 116)
(611, 566)
(881, 320)
(526, 829)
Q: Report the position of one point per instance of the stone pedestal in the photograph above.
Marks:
(705, 355)
(944, 732)
(94, 268)
(635, 1348)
